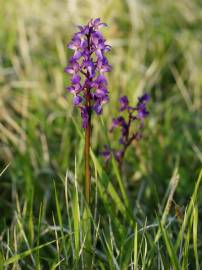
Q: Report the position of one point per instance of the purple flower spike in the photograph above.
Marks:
(135, 114)
(87, 67)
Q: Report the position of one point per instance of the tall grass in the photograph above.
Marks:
(148, 218)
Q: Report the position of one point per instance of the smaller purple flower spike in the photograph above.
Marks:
(88, 66)
(135, 114)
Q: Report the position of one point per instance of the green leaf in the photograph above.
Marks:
(170, 249)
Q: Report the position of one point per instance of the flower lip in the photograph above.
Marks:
(76, 79)
(72, 68)
(77, 100)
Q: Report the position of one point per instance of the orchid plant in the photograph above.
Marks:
(87, 67)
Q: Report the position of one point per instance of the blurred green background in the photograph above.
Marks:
(156, 48)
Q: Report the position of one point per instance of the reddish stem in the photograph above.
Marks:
(87, 148)
(88, 133)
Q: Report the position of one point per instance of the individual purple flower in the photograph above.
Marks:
(123, 103)
(77, 100)
(119, 121)
(85, 116)
(72, 68)
(96, 23)
(144, 98)
(106, 153)
(142, 111)
(134, 114)
(119, 155)
(141, 107)
(88, 66)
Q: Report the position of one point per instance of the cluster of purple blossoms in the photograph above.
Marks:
(137, 114)
(87, 67)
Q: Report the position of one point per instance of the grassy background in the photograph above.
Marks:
(156, 47)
